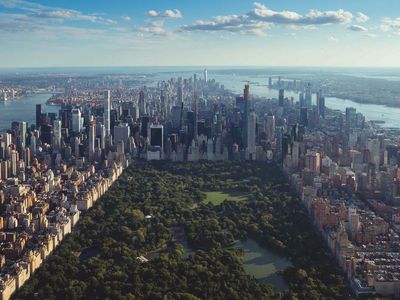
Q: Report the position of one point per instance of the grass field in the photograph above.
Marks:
(217, 198)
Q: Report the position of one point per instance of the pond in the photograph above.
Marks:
(263, 264)
(88, 253)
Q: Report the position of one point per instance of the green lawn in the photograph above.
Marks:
(217, 198)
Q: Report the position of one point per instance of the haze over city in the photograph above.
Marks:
(165, 33)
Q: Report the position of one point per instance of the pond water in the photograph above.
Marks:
(263, 264)
(88, 253)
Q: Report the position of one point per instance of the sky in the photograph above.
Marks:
(79, 33)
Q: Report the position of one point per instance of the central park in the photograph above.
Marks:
(206, 230)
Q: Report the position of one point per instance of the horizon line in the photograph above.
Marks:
(200, 66)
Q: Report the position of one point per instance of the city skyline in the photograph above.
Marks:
(157, 33)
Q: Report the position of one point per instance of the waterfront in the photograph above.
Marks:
(235, 81)
(23, 109)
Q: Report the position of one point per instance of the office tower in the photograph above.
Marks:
(321, 104)
(270, 127)
(101, 132)
(142, 104)
(270, 82)
(251, 136)
(92, 139)
(304, 116)
(308, 96)
(46, 133)
(313, 162)
(295, 154)
(196, 116)
(38, 115)
(33, 144)
(180, 94)
(22, 133)
(190, 122)
(121, 133)
(2, 150)
(246, 96)
(279, 139)
(240, 104)
(301, 100)
(246, 93)
(4, 169)
(157, 136)
(144, 126)
(77, 142)
(14, 160)
(76, 120)
(65, 114)
(107, 110)
(351, 117)
(27, 156)
(57, 134)
(205, 75)
(373, 146)
(281, 97)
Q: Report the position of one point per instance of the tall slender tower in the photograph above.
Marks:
(22, 132)
(38, 115)
(92, 139)
(57, 134)
(251, 136)
(107, 109)
(142, 104)
(246, 96)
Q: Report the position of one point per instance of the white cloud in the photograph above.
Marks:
(357, 28)
(126, 18)
(391, 24)
(72, 15)
(361, 18)
(169, 14)
(262, 18)
(46, 12)
(333, 39)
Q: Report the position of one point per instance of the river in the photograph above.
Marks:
(23, 109)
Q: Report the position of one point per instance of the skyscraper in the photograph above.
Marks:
(321, 104)
(157, 136)
(57, 134)
(22, 132)
(205, 75)
(38, 115)
(14, 160)
(270, 127)
(121, 133)
(92, 139)
(76, 120)
(107, 109)
(246, 96)
(142, 104)
(281, 97)
(251, 136)
(308, 96)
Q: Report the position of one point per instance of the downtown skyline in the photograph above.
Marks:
(165, 33)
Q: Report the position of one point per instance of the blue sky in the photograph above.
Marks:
(208, 32)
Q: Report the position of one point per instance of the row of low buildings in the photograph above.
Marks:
(351, 196)
(48, 215)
